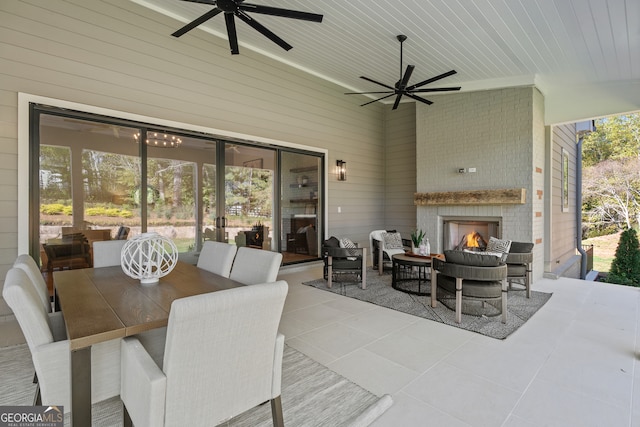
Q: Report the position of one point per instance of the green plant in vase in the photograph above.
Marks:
(416, 238)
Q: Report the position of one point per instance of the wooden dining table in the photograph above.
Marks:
(101, 304)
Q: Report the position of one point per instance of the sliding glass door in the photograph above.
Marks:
(301, 205)
(249, 181)
(98, 174)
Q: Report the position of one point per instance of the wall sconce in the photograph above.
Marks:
(341, 170)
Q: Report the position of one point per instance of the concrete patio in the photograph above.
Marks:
(575, 363)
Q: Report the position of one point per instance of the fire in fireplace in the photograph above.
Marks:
(470, 234)
(472, 241)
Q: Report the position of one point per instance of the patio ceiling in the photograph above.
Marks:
(583, 55)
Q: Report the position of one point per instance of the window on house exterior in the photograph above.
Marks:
(565, 180)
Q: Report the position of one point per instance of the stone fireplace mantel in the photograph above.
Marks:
(509, 196)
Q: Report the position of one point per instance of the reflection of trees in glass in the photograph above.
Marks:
(55, 174)
(209, 190)
(248, 191)
(174, 182)
(108, 176)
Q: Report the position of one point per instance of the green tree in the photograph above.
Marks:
(55, 173)
(611, 193)
(616, 137)
(625, 268)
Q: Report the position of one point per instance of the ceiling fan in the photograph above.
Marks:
(237, 8)
(401, 86)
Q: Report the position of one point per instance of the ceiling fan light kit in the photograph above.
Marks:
(238, 9)
(402, 88)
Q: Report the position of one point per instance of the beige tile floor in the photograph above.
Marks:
(575, 363)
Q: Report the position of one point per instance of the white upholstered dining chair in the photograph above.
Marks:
(29, 266)
(253, 266)
(50, 350)
(217, 257)
(106, 253)
(223, 356)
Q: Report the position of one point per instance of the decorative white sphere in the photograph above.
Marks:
(148, 257)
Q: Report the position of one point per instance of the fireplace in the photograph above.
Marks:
(469, 233)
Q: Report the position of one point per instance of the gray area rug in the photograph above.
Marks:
(312, 395)
(485, 320)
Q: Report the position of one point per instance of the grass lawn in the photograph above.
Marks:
(604, 250)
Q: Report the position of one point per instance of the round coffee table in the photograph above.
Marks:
(410, 273)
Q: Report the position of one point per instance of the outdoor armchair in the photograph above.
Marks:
(223, 356)
(346, 261)
(471, 276)
(123, 233)
(519, 265)
(384, 245)
(72, 252)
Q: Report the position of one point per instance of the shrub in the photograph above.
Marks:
(625, 268)
(110, 212)
(99, 211)
(53, 209)
(113, 212)
(597, 231)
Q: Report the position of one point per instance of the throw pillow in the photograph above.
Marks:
(345, 242)
(392, 241)
(474, 259)
(332, 242)
(498, 245)
(520, 248)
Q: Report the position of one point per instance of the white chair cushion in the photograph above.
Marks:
(106, 253)
(217, 257)
(29, 266)
(253, 266)
(52, 360)
(223, 356)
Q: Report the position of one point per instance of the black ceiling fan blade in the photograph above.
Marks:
(376, 100)
(285, 13)
(436, 89)
(378, 83)
(432, 79)
(263, 30)
(398, 98)
(370, 93)
(190, 26)
(209, 2)
(406, 77)
(231, 33)
(419, 98)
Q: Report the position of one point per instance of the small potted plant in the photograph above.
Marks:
(416, 240)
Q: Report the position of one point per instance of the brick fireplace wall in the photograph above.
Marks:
(501, 134)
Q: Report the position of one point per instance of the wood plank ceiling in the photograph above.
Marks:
(553, 44)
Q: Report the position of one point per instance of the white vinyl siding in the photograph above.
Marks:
(117, 55)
